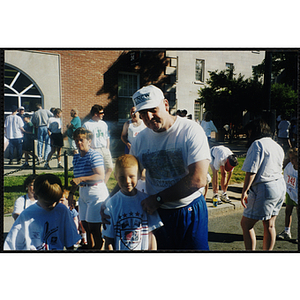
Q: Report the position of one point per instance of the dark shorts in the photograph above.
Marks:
(57, 140)
(27, 145)
(184, 228)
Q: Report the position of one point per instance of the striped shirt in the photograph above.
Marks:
(84, 165)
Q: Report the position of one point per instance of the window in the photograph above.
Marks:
(197, 110)
(20, 90)
(128, 83)
(199, 70)
(229, 66)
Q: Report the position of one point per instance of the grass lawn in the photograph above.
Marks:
(13, 185)
(13, 188)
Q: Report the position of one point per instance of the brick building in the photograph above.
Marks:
(81, 78)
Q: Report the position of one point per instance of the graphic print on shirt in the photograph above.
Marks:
(45, 238)
(130, 228)
(99, 133)
(164, 166)
(291, 181)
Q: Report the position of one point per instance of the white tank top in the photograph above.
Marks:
(133, 131)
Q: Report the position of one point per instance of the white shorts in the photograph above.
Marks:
(108, 164)
(90, 200)
(265, 200)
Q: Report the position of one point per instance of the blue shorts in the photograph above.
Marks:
(184, 228)
(265, 200)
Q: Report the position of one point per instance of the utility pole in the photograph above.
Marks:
(267, 79)
(271, 115)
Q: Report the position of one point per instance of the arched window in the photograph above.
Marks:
(20, 90)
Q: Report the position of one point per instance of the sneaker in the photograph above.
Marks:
(59, 166)
(25, 165)
(225, 198)
(218, 198)
(71, 169)
(284, 235)
(19, 162)
(46, 166)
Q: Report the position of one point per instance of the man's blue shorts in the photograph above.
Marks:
(184, 228)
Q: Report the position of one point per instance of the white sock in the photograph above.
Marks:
(287, 229)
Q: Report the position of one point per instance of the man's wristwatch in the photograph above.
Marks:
(159, 199)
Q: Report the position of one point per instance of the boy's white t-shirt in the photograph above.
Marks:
(219, 156)
(20, 205)
(54, 124)
(100, 133)
(129, 224)
(38, 229)
(167, 155)
(291, 180)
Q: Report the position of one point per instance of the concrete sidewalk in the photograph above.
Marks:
(234, 193)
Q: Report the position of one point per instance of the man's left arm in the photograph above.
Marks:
(193, 181)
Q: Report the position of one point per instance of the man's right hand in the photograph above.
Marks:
(104, 216)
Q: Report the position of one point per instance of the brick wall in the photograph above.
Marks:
(82, 78)
(90, 77)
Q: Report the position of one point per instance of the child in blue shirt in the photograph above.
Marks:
(130, 227)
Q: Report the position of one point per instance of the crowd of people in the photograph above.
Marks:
(159, 202)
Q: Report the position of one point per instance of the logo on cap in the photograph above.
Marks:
(142, 98)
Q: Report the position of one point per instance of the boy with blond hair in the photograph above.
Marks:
(130, 227)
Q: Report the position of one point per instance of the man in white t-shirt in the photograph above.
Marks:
(224, 160)
(176, 156)
(13, 128)
(101, 139)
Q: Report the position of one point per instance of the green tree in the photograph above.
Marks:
(284, 67)
(283, 99)
(227, 96)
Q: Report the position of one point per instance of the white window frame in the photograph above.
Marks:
(20, 94)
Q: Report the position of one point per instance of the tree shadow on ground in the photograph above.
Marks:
(224, 237)
(235, 189)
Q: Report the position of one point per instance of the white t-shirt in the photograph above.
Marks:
(22, 203)
(167, 155)
(208, 127)
(129, 224)
(133, 131)
(265, 158)
(219, 156)
(12, 126)
(291, 180)
(38, 229)
(100, 133)
(54, 125)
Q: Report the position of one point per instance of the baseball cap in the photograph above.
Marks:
(147, 97)
(21, 107)
(231, 162)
